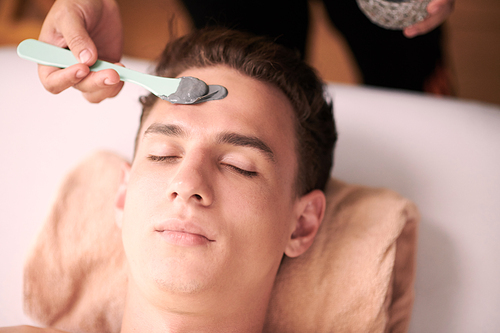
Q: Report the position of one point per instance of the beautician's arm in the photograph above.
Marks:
(438, 10)
(91, 29)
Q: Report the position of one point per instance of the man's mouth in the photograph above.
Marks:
(183, 238)
(183, 233)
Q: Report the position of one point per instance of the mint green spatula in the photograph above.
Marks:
(184, 90)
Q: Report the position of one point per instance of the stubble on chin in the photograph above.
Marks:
(178, 286)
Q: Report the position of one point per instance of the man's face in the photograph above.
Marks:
(210, 198)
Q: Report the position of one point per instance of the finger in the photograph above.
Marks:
(100, 85)
(79, 42)
(438, 11)
(98, 80)
(100, 95)
(56, 80)
(66, 28)
(422, 27)
(436, 6)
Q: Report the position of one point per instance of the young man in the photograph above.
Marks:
(219, 191)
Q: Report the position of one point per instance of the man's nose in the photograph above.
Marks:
(192, 182)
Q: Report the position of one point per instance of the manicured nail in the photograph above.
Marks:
(84, 56)
(80, 74)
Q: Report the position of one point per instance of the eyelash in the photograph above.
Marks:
(171, 159)
(245, 173)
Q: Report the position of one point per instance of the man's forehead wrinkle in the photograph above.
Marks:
(246, 141)
(165, 129)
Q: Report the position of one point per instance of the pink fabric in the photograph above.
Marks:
(357, 277)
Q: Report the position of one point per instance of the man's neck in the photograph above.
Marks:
(195, 313)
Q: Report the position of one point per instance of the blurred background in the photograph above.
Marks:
(472, 39)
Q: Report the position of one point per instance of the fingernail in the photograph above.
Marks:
(410, 33)
(80, 74)
(108, 82)
(84, 56)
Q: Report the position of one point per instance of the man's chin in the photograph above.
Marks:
(182, 286)
(182, 280)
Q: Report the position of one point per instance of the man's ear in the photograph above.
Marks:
(121, 193)
(310, 210)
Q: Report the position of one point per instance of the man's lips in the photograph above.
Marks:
(183, 233)
(184, 238)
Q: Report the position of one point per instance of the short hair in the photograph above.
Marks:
(262, 59)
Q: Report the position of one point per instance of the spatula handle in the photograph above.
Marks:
(50, 55)
(45, 54)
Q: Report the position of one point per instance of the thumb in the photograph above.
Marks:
(75, 34)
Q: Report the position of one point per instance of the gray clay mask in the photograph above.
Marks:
(192, 91)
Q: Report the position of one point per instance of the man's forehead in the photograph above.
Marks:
(252, 108)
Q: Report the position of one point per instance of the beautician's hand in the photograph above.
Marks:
(91, 29)
(438, 10)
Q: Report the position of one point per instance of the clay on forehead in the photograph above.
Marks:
(192, 91)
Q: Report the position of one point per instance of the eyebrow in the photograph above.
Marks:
(236, 139)
(231, 138)
(166, 129)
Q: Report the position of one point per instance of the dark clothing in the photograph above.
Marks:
(385, 57)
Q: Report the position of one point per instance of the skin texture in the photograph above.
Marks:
(234, 193)
(92, 29)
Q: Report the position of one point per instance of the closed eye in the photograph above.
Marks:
(243, 172)
(173, 159)
(169, 159)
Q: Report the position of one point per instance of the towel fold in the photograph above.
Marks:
(357, 277)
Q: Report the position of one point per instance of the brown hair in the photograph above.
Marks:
(266, 61)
